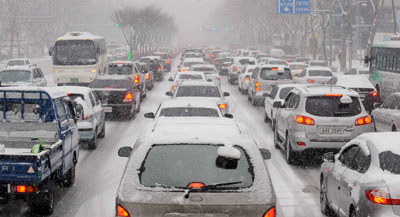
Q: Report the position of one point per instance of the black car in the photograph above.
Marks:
(154, 64)
(118, 95)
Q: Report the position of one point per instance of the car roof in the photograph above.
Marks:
(18, 59)
(383, 141)
(151, 57)
(280, 67)
(203, 66)
(281, 86)
(53, 92)
(297, 63)
(319, 68)
(318, 61)
(75, 89)
(352, 81)
(189, 102)
(318, 90)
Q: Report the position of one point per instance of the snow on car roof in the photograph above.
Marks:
(190, 72)
(197, 83)
(280, 67)
(203, 66)
(53, 92)
(79, 36)
(188, 102)
(353, 81)
(319, 68)
(383, 141)
(317, 90)
(151, 57)
(74, 89)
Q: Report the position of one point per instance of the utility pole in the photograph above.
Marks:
(343, 43)
(394, 18)
(350, 35)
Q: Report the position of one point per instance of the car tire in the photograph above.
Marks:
(290, 155)
(266, 118)
(244, 92)
(394, 129)
(352, 212)
(137, 110)
(323, 199)
(43, 203)
(254, 102)
(92, 145)
(239, 88)
(276, 140)
(373, 124)
(273, 124)
(102, 134)
(70, 176)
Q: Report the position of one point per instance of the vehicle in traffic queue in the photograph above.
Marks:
(317, 63)
(386, 115)
(237, 66)
(201, 90)
(188, 108)
(209, 71)
(188, 62)
(191, 55)
(305, 60)
(91, 122)
(130, 69)
(224, 70)
(118, 95)
(78, 58)
(22, 75)
(244, 78)
(360, 84)
(297, 67)
(275, 94)
(273, 61)
(148, 74)
(39, 146)
(228, 178)
(181, 76)
(363, 178)
(154, 64)
(166, 60)
(363, 71)
(314, 75)
(18, 62)
(318, 118)
(265, 76)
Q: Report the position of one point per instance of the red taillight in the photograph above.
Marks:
(270, 212)
(128, 97)
(301, 143)
(381, 197)
(363, 121)
(196, 185)
(217, 78)
(168, 61)
(304, 120)
(212, 55)
(159, 69)
(246, 80)
(122, 212)
(25, 189)
(310, 81)
(234, 68)
(333, 95)
(136, 80)
(257, 86)
(373, 93)
(148, 77)
(174, 87)
(222, 106)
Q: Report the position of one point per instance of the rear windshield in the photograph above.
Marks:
(189, 64)
(102, 83)
(318, 64)
(230, 60)
(145, 60)
(17, 62)
(284, 92)
(189, 112)
(10, 76)
(120, 70)
(192, 55)
(269, 74)
(332, 107)
(389, 161)
(198, 91)
(181, 164)
(320, 73)
(204, 69)
(190, 77)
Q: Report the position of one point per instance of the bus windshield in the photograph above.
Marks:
(75, 52)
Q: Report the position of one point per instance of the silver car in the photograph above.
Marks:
(319, 118)
(317, 75)
(386, 117)
(363, 178)
(195, 167)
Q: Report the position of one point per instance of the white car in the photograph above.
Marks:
(317, 63)
(188, 62)
(281, 62)
(91, 124)
(18, 62)
(237, 66)
(386, 116)
(210, 72)
(201, 90)
(317, 75)
(297, 67)
(244, 78)
(23, 75)
(359, 71)
(180, 76)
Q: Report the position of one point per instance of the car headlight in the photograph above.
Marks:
(93, 70)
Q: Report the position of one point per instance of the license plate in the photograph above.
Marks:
(74, 80)
(331, 130)
(107, 109)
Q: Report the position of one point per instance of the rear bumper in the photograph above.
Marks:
(259, 95)
(74, 78)
(86, 134)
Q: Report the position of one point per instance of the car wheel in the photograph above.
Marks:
(248, 96)
(323, 200)
(266, 118)
(290, 155)
(352, 212)
(102, 134)
(394, 129)
(273, 124)
(244, 91)
(373, 124)
(254, 102)
(93, 142)
(137, 108)
(276, 139)
(239, 88)
(70, 176)
(44, 201)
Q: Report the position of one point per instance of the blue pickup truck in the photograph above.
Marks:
(39, 145)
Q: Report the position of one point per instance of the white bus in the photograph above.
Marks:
(78, 58)
(385, 66)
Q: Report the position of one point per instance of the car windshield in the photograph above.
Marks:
(284, 92)
(10, 76)
(244, 61)
(198, 91)
(389, 161)
(145, 60)
(189, 112)
(178, 165)
(112, 83)
(324, 73)
(270, 74)
(327, 106)
(74, 96)
(190, 77)
(318, 64)
(120, 69)
(75, 52)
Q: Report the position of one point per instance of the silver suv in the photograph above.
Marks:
(320, 118)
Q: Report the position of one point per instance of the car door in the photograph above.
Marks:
(99, 109)
(383, 119)
(35, 77)
(284, 113)
(67, 129)
(390, 113)
(269, 100)
(378, 114)
(95, 112)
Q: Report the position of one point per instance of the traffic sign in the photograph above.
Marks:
(293, 6)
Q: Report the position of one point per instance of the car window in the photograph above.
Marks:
(178, 165)
(389, 161)
(189, 112)
(348, 155)
(60, 108)
(273, 93)
(96, 98)
(271, 74)
(388, 102)
(92, 101)
(198, 91)
(327, 106)
(103, 83)
(302, 74)
(332, 80)
(115, 69)
(9, 76)
(284, 92)
(40, 73)
(320, 73)
(395, 105)
(361, 162)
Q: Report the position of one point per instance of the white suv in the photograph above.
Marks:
(22, 75)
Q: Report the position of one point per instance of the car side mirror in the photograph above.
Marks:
(226, 94)
(125, 151)
(277, 105)
(227, 115)
(149, 115)
(51, 51)
(329, 157)
(169, 93)
(170, 79)
(265, 153)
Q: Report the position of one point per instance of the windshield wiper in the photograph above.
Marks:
(209, 187)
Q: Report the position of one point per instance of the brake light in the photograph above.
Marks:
(174, 87)
(212, 55)
(301, 143)
(222, 106)
(363, 121)
(333, 95)
(257, 86)
(270, 212)
(274, 69)
(136, 80)
(196, 185)
(159, 69)
(122, 212)
(147, 76)
(234, 68)
(304, 120)
(218, 78)
(128, 97)
(310, 81)
(381, 197)
(25, 189)
(373, 93)
(168, 61)
(246, 80)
